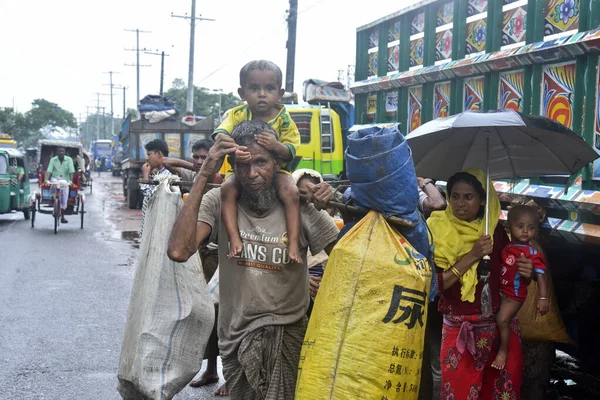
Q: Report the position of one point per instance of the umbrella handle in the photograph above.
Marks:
(487, 184)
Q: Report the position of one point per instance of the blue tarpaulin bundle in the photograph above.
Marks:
(382, 175)
(156, 103)
(380, 167)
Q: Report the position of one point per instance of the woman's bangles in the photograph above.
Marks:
(456, 273)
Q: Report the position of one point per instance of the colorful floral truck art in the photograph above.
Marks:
(442, 57)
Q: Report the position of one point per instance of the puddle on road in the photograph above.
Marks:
(131, 236)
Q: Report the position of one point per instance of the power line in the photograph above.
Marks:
(311, 6)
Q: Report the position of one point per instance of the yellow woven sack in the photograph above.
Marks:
(542, 328)
(365, 335)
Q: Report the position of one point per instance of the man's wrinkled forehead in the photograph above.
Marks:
(257, 151)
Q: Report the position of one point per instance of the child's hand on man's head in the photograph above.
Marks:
(219, 134)
(242, 155)
(267, 141)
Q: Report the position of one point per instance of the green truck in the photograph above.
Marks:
(442, 57)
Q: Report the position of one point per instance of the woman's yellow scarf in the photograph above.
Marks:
(454, 238)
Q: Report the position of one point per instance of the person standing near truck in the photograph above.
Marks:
(156, 151)
(188, 170)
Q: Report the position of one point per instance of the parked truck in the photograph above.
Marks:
(134, 136)
(442, 57)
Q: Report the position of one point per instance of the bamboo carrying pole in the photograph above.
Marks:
(400, 222)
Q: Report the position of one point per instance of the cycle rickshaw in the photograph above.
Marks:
(46, 200)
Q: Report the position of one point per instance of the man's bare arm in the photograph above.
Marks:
(174, 165)
(187, 233)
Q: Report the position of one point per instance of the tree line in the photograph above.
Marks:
(42, 120)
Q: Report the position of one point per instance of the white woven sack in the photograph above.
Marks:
(170, 315)
(213, 287)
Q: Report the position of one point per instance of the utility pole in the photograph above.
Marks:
(79, 129)
(98, 114)
(112, 127)
(103, 123)
(124, 103)
(192, 18)
(137, 62)
(162, 67)
(292, 21)
(87, 118)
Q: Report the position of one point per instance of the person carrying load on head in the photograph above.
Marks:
(264, 294)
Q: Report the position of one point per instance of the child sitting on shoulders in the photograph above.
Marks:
(260, 87)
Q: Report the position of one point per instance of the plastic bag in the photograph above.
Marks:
(170, 315)
(366, 332)
(542, 328)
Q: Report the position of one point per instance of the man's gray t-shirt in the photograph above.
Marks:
(187, 175)
(261, 287)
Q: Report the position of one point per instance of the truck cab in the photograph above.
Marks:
(321, 144)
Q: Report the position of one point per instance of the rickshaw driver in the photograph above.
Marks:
(61, 167)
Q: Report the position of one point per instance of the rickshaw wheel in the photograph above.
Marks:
(56, 216)
(27, 214)
(91, 187)
(82, 212)
(33, 216)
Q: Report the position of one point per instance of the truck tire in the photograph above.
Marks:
(132, 198)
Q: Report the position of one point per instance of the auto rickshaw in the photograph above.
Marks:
(46, 199)
(14, 184)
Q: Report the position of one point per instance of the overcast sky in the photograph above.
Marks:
(59, 50)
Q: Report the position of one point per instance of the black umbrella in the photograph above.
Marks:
(506, 144)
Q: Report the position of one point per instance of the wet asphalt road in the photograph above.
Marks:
(64, 297)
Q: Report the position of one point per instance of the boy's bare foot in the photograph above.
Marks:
(204, 379)
(500, 360)
(222, 391)
(294, 252)
(235, 246)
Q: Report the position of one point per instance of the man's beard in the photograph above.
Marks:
(259, 202)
